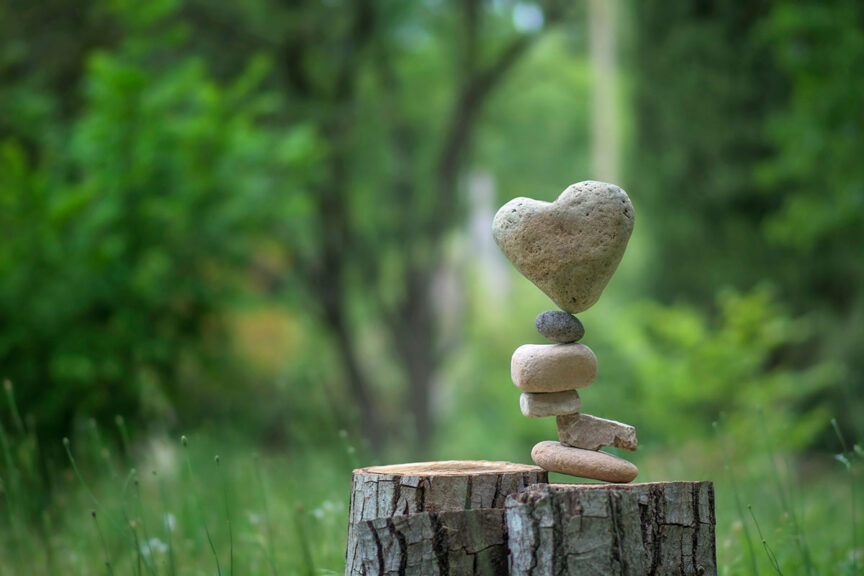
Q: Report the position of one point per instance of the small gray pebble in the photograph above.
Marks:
(559, 326)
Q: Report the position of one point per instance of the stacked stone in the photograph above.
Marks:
(550, 376)
(569, 248)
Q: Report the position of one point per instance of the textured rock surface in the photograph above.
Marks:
(570, 247)
(661, 528)
(559, 326)
(428, 517)
(553, 367)
(541, 405)
(555, 457)
(592, 433)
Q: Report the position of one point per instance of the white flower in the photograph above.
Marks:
(154, 545)
(327, 508)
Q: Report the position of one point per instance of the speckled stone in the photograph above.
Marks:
(553, 367)
(592, 433)
(559, 326)
(555, 457)
(570, 247)
(541, 405)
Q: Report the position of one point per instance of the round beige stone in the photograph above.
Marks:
(541, 405)
(553, 367)
(555, 457)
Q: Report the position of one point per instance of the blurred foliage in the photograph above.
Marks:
(693, 370)
(206, 204)
(704, 86)
(188, 169)
(817, 176)
(749, 159)
(123, 233)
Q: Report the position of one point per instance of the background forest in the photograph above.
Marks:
(264, 226)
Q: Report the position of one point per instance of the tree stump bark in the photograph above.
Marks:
(433, 518)
(660, 528)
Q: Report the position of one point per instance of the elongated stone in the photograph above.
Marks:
(553, 367)
(541, 405)
(555, 457)
(592, 433)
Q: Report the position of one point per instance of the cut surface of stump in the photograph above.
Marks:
(385, 491)
(433, 518)
(660, 528)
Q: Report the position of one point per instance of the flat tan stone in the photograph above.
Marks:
(555, 457)
(541, 405)
(553, 367)
(592, 433)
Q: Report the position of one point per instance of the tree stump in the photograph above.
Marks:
(433, 518)
(659, 528)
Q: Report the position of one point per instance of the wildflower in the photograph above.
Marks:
(155, 546)
(327, 508)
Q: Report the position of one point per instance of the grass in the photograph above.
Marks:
(164, 506)
(179, 510)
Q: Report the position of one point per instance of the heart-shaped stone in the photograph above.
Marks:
(570, 247)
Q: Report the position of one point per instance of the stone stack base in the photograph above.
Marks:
(497, 518)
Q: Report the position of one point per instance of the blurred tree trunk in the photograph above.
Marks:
(408, 317)
(416, 329)
(604, 106)
(415, 337)
(329, 280)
